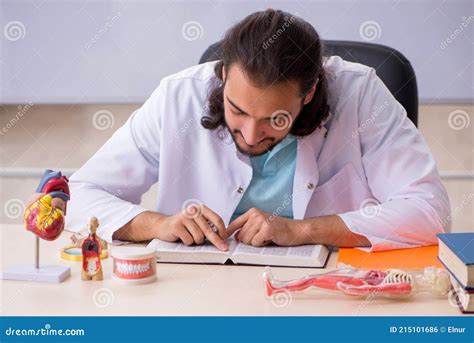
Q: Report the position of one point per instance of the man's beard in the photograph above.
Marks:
(247, 153)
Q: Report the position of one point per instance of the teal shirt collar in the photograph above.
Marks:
(268, 163)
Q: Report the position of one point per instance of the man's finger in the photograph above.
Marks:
(211, 235)
(243, 230)
(260, 239)
(238, 223)
(195, 231)
(240, 232)
(215, 220)
(185, 236)
(236, 236)
(249, 233)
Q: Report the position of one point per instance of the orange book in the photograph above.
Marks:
(412, 258)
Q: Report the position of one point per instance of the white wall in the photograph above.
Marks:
(117, 51)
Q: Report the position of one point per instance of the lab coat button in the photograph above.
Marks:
(240, 190)
(310, 186)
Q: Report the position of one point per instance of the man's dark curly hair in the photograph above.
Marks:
(271, 47)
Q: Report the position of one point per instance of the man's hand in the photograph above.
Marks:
(192, 226)
(259, 228)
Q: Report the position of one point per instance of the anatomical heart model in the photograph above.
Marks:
(45, 217)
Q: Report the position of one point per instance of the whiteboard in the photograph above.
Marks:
(117, 51)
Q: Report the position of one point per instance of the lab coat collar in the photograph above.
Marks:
(306, 173)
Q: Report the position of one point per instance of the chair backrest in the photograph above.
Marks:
(391, 66)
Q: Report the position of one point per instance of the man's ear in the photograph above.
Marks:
(223, 74)
(310, 94)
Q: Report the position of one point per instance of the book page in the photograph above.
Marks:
(179, 247)
(303, 251)
(306, 255)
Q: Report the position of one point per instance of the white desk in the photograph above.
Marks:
(180, 290)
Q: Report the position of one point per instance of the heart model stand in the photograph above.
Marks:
(44, 216)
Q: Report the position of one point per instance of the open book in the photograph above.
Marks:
(239, 253)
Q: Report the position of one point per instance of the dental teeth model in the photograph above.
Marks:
(134, 265)
(393, 283)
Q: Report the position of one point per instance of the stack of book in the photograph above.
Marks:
(456, 253)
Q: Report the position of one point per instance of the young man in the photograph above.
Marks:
(274, 143)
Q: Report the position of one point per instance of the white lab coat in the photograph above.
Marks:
(368, 152)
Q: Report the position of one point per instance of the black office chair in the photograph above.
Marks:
(391, 66)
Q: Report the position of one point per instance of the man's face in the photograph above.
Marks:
(259, 118)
